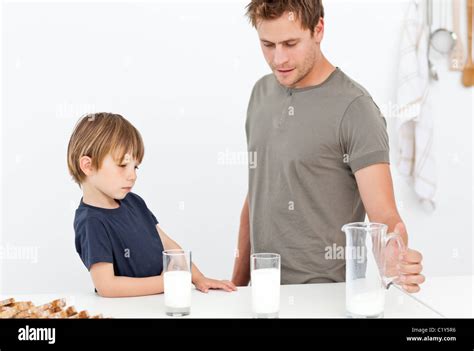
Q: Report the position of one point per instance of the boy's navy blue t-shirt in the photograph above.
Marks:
(125, 236)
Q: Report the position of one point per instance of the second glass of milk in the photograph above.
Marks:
(265, 281)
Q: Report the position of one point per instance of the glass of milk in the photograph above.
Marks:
(371, 259)
(177, 282)
(265, 281)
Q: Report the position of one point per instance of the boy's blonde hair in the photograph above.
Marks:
(98, 134)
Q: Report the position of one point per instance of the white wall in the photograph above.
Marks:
(182, 73)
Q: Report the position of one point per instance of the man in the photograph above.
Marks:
(322, 154)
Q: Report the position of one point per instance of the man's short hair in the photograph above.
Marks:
(308, 12)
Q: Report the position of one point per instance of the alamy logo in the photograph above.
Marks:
(335, 252)
(231, 158)
(37, 334)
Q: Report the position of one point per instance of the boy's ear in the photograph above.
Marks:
(85, 162)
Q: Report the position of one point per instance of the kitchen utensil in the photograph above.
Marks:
(468, 72)
(433, 74)
(442, 39)
(457, 58)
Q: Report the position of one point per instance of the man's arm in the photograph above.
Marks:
(241, 274)
(376, 191)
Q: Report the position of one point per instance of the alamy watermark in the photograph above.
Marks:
(237, 158)
(337, 252)
(19, 253)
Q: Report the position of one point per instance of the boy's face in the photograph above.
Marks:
(114, 179)
(290, 51)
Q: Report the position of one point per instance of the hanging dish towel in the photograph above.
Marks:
(416, 159)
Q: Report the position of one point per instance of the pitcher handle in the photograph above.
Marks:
(388, 281)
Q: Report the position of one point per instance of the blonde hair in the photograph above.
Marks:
(98, 134)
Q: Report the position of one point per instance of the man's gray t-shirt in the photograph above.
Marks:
(306, 146)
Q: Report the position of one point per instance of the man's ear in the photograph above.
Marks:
(319, 31)
(85, 162)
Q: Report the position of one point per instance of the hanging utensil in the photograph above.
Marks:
(468, 72)
(429, 18)
(457, 55)
(442, 39)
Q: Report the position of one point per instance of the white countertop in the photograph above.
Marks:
(297, 301)
(452, 296)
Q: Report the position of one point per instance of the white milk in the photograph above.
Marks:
(369, 303)
(265, 290)
(177, 289)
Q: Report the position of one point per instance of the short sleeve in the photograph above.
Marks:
(145, 208)
(363, 134)
(93, 243)
(153, 217)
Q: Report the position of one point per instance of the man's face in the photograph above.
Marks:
(291, 51)
(114, 179)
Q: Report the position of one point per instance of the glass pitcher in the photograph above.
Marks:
(372, 257)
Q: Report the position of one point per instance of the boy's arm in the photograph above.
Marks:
(109, 285)
(199, 280)
(170, 244)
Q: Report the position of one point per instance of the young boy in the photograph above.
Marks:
(117, 236)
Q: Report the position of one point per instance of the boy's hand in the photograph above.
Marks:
(204, 284)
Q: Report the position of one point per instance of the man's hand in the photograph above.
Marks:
(409, 266)
(204, 284)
